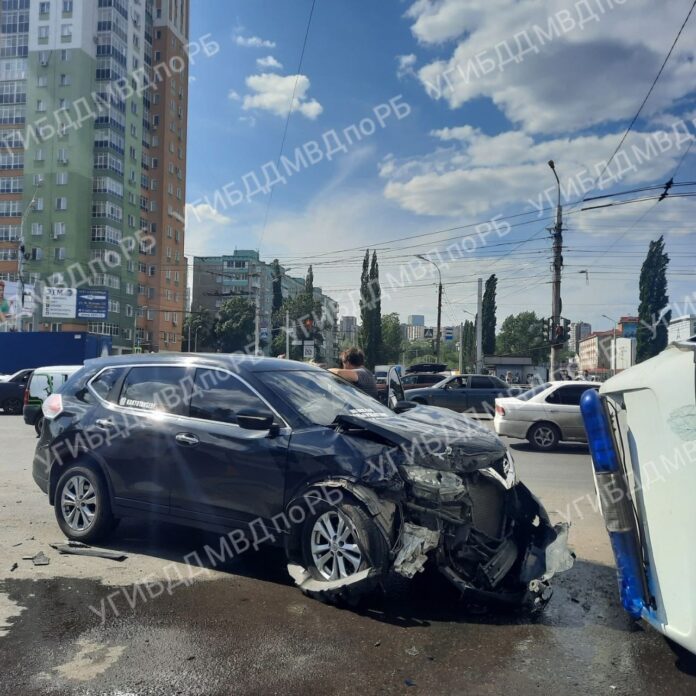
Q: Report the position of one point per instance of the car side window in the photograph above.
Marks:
(103, 384)
(553, 397)
(455, 383)
(154, 388)
(219, 396)
(481, 383)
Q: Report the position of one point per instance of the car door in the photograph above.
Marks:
(482, 393)
(452, 395)
(221, 471)
(563, 406)
(133, 430)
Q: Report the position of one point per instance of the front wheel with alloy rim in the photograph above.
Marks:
(82, 505)
(337, 543)
(543, 437)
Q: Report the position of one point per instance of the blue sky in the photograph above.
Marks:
(473, 152)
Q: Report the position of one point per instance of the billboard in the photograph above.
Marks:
(10, 301)
(92, 304)
(71, 303)
(59, 303)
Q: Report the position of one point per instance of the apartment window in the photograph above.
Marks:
(131, 221)
(43, 32)
(58, 229)
(130, 290)
(115, 306)
(59, 254)
(44, 8)
(40, 105)
(36, 254)
(11, 184)
(67, 6)
(65, 53)
(129, 310)
(65, 32)
(39, 204)
(62, 155)
(61, 203)
(64, 80)
(62, 178)
(42, 81)
(36, 229)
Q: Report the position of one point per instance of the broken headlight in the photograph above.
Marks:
(433, 483)
(503, 470)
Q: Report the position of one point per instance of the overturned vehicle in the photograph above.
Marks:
(362, 495)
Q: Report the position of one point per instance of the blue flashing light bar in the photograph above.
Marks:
(624, 543)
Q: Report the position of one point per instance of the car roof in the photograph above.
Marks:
(573, 383)
(236, 361)
(58, 368)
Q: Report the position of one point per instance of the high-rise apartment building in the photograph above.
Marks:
(93, 107)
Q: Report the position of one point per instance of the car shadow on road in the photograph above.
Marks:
(563, 448)
(585, 594)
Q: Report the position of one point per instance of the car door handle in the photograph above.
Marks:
(187, 439)
(104, 423)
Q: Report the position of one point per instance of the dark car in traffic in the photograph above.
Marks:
(12, 391)
(472, 393)
(418, 380)
(261, 449)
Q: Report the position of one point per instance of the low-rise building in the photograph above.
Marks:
(681, 328)
(578, 331)
(594, 352)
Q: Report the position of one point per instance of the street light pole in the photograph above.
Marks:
(439, 304)
(613, 346)
(195, 344)
(20, 262)
(557, 265)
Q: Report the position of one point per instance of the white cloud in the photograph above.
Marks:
(250, 120)
(232, 95)
(476, 173)
(587, 76)
(269, 62)
(273, 93)
(205, 227)
(405, 65)
(253, 42)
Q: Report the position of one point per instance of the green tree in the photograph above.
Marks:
(234, 327)
(651, 337)
(391, 338)
(200, 324)
(469, 342)
(370, 310)
(309, 282)
(521, 335)
(277, 278)
(488, 315)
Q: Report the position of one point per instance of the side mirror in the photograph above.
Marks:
(401, 406)
(255, 420)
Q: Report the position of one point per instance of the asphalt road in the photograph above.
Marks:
(245, 629)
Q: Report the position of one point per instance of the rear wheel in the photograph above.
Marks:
(12, 406)
(82, 504)
(543, 437)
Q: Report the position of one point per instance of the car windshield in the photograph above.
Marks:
(322, 396)
(533, 392)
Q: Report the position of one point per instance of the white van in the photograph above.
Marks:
(42, 383)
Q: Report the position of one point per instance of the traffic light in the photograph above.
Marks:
(566, 330)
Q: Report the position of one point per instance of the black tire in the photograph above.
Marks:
(38, 424)
(544, 437)
(373, 551)
(12, 406)
(101, 523)
(686, 660)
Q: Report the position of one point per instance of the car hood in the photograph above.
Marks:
(433, 437)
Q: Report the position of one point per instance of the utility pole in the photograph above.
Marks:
(20, 262)
(189, 337)
(479, 328)
(556, 266)
(461, 347)
(439, 305)
(257, 323)
(287, 335)
(613, 346)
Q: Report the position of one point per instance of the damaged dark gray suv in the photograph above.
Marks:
(260, 449)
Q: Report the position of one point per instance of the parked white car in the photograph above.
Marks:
(544, 415)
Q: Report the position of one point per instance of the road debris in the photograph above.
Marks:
(38, 559)
(77, 549)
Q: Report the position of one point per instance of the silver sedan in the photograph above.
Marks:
(545, 415)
